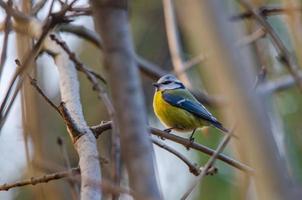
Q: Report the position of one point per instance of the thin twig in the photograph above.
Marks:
(192, 166)
(18, 76)
(71, 173)
(189, 64)
(38, 6)
(7, 23)
(284, 54)
(41, 179)
(267, 10)
(256, 35)
(279, 84)
(173, 41)
(33, 82)
(210, 162)
(74, 189)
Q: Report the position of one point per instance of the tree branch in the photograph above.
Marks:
(99, 129)
(42, 179)
(208, 165)
(173, 41)
(192, 167)
(265, 11)
(284, 55)
(111, 20)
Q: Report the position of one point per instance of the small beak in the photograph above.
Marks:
(155, 85)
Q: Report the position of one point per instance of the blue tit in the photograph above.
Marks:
(178, 109)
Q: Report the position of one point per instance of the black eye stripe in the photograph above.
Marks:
(167, 82)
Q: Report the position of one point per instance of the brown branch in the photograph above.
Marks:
(253, 37)
(99, 129)
(279, 84)
(208, 165)
(173, 41)
(265, 11)
(91, 75)
(284, 55)
(41, 179)
(71, 173)
(192, 167)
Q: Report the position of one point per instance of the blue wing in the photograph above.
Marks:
(193, 107)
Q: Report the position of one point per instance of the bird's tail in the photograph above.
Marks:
(224, 130)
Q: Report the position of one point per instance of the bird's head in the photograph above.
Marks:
(168, 82)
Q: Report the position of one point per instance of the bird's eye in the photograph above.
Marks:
(167, 82)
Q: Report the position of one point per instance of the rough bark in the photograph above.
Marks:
(85, 144)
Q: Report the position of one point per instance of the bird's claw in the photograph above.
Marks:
(212, 170)
(168, 130)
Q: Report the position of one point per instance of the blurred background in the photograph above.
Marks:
(45, 147)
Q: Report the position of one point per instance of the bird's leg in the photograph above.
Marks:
(191, 136)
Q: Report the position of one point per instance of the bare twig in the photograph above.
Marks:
(33, 82)
(71, 174)
(18, 76)
(259, 33)
(284, 54)
(173, 41)
(91, 75)
(192, 166)
(207, 166)
(38, 6)
(7, 25)
(279, 84)
(74, 189)
(42, 179)
(99, 129)
(267, 10)
(189, 64)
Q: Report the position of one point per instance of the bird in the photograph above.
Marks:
(178, 109)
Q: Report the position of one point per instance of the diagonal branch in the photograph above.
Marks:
(173, 41)
(7, 24)
(207, 166)
(284, 54)
(267, 10)
(192, 166)
(99, 129)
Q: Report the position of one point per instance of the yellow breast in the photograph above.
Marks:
(174, 117)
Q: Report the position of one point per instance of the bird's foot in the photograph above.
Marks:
(212, 170)
(168, 130)
(191, 142)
